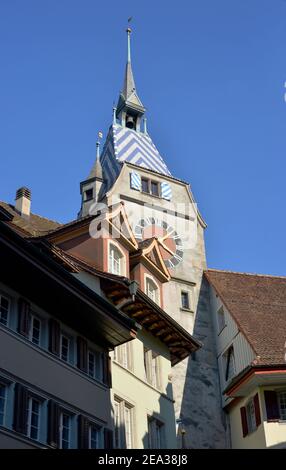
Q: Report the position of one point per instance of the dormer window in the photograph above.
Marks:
(152, 290)
(116, 260)
(88, 194)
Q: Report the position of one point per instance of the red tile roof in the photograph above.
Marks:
(34, 225)
(258, 305)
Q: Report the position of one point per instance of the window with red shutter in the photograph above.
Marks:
(244, 421)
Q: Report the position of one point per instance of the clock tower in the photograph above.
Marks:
(160, 206)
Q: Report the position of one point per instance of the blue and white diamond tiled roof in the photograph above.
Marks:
(126, 145)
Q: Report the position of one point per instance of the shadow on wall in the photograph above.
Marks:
(202, 422)
(159, 433)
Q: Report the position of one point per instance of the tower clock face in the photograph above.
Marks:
(170, 242)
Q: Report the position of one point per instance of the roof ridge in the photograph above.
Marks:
(243, 273)
(12, 207)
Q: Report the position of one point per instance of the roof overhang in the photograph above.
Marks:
(144, 311)
(37, 276)
(256, 376)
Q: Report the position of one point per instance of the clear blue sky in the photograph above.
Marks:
(210, 72)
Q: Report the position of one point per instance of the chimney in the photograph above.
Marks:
(23, 201)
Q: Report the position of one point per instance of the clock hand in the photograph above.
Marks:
(166, 236)
(166, 248)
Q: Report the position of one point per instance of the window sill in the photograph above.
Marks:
(150, 194)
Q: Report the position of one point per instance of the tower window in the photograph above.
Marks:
(185, 300)
(88, 194)
(145, 185)
(154, 188)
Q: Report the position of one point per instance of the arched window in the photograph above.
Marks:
(152, 290)
(116, 260)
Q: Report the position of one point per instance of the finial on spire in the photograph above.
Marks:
(100, 135)
(114, 114)
(128, 31)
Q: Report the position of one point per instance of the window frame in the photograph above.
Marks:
(123, 355)
(34, 316)
(150, 279)
(279, 393)
(227, 355)
(250, 416)
(154, 424)
(4, 386)
(64, 412)
(99, 430)
(153, 182)
(63, 334)
(120, 430)
(149, 182)
(85, 197)
(32, 398)
(152, 367)
(122, 259)
(187, 294)
(8, 310)
(95, 353)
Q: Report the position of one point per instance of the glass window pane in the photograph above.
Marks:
(33, 418)
(2, 403)
(4, 309)
(65, 431)
(185, 299)
(65, 342)
(145, 185)
(282, 404)
(155, 188)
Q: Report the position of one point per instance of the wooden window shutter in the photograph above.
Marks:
(107, 378)
(20, 409)
(53, 423)
(244, 421)
(54, 336)
(82, 354)
(135, 181)
(271, 403)
(108, 439)
(83, 432)
(257, 410)
(23, 317)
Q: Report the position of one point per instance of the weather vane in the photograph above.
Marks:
(129, 21)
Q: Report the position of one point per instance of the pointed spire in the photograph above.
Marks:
(129, 83)
(96, 171)
(129, 95)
